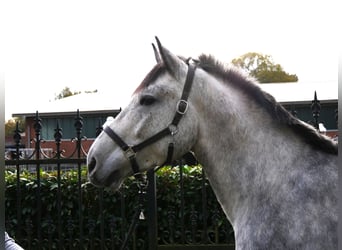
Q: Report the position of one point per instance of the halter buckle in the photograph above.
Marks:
(182, 107)
(129, 153)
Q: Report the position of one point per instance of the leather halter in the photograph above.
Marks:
(172, 129)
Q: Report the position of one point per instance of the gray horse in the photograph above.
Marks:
(274, 175)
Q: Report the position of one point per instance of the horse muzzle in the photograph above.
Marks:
(96, 175)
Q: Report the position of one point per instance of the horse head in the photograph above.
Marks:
(156, 126)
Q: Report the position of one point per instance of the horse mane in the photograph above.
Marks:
(265, 100)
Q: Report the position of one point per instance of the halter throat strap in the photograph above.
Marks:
(172, 129)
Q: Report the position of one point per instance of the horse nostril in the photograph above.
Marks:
(91, 165)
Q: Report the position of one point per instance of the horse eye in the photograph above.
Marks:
(147, 100)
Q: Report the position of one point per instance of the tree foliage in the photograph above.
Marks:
(10, 125)
(66, 92)
(263, 68)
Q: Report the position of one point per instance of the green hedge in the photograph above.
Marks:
(115, 210)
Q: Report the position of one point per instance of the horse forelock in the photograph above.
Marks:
(265, 100)
(157, 70)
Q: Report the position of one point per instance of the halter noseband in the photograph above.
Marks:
(172, 129)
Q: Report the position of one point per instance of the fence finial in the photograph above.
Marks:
(316, 108)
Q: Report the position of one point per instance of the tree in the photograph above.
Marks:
(263, 68)
(65, 93)
(11, 124)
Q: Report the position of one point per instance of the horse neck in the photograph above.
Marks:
(240, 146)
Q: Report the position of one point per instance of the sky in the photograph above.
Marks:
(106, 45)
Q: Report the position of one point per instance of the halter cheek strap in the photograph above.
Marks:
(172, 129)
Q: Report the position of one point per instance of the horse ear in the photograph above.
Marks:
(156, 54)
(174, 65)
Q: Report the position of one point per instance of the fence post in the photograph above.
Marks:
(152, 210)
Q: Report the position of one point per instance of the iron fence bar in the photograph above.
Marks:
(37, 128)
(58, 136)
(204, 209)
(17, 139)
(182, 219)
(99, 129)
(123, 215)
(23, 162)
(152, 221)
(79, 125)
(101, 218)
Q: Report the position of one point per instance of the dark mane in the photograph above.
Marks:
(276, 110)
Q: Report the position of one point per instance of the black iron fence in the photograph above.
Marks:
(56, 208)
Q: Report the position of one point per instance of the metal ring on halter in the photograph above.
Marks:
(180, 109)
(129, 153)
(142, 184)
(173, 129)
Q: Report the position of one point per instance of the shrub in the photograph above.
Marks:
(105, 215)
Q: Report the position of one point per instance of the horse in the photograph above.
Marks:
(274, 175)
